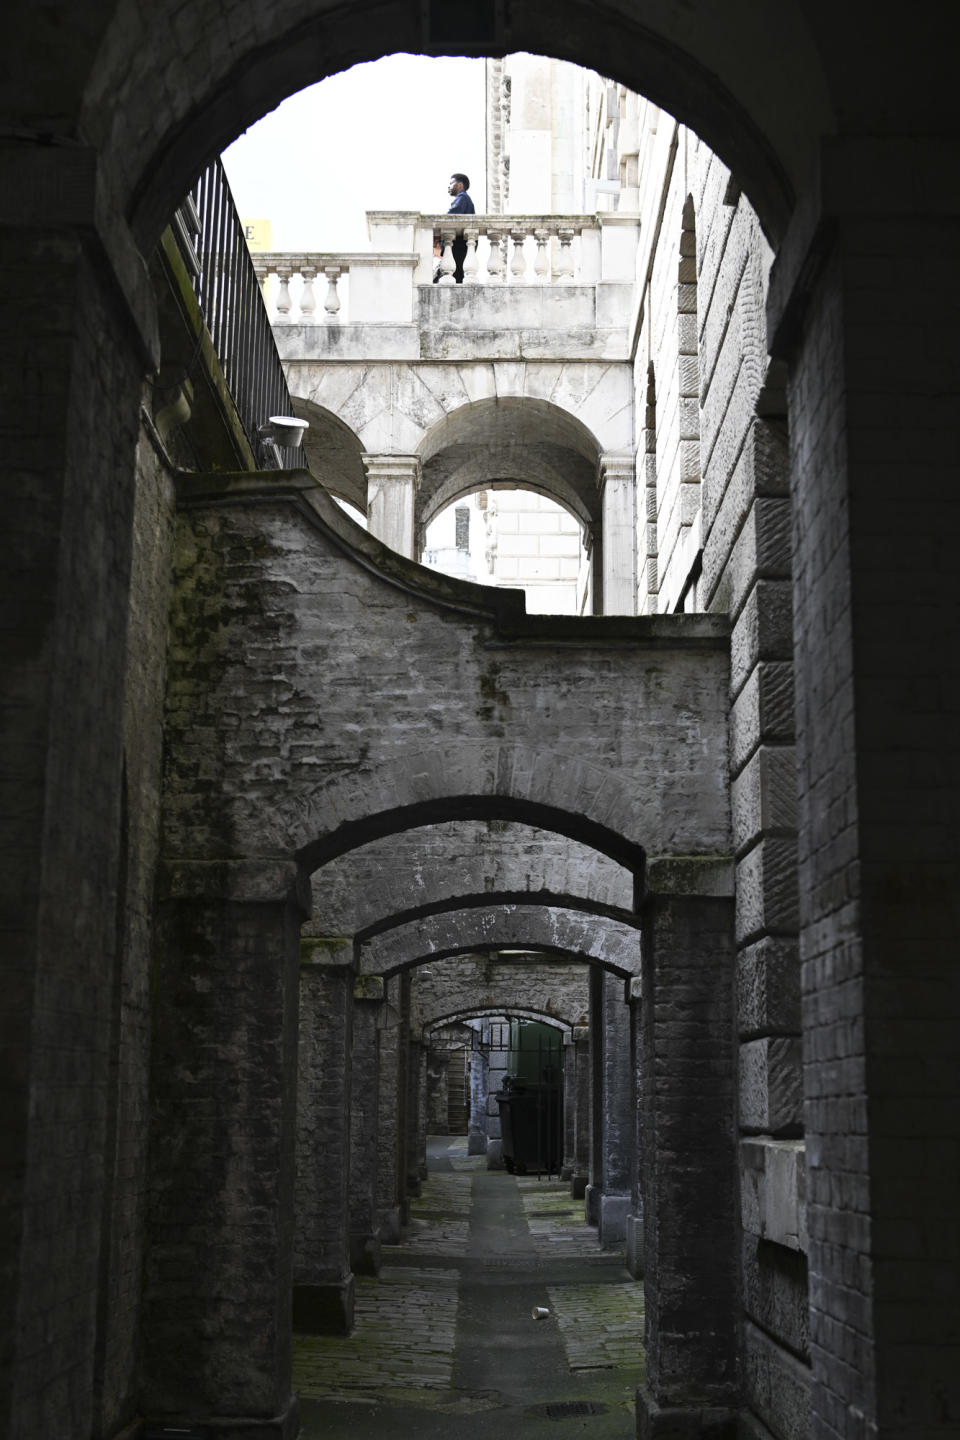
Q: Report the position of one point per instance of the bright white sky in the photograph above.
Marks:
(382, 136)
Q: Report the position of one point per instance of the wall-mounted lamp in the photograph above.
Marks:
(284, 430)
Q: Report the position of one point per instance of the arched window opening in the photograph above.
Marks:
(647, 512)
(507, 535)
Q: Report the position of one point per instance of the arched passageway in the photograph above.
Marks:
(108, 125)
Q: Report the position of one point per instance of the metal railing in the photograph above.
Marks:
(232, 305)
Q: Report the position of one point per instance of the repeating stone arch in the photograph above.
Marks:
(572, 934)
(513, 1012)
(484, 899)
(551, 417)
(491, 982)
(358, 828)
(429, 867)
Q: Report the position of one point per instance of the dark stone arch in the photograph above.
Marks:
(558, 953)
(484, 1012)
(547, 898)
(716, 74)
(351, 833)
(433, 866)
(571, 933)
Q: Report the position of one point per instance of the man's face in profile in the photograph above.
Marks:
(454, 187)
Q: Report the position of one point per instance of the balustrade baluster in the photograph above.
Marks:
(447, 262)
(541, 266)
(332, 302)
(518, 261)
(564, 272)
(495, 260)
(308, 301)
(283, 293)
(471, 265)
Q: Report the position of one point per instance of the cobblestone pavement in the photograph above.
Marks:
(402, 1349)
(439, 1218)
(555, 1220)
(601, 1325)
(403, 1339)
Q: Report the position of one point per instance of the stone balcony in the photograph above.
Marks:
(535, 287)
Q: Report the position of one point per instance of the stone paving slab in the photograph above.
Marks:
(555, 1219)
(403, 1338)
(439, 1218)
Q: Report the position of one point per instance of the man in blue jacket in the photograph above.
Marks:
(461, 204)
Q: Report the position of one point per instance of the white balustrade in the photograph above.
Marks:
(528, 250)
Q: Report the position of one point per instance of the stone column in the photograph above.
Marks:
(368, 997)
(416, 1088)
(617, 482)
(568, 1164)
(594, 1188)
(418, 1098)
(392, 483)
(218, 1273)
(404, 1162)
(618, 1127)
(583, 1117)
(323, 1285)
(497, 1069)
(634, 1235)
(689, 1167)
(479, 1089)
(388, 1118)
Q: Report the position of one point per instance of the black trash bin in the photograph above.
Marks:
(530, 1127)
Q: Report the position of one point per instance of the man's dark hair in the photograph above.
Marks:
(464, 179)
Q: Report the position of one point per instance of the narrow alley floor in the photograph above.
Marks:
(445, 1343)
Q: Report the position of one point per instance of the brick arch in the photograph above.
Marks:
(538, 807)
(567, 933)
(510, 1012)
(482, 899)
(487, 981)
(428, 868)
(724, 75)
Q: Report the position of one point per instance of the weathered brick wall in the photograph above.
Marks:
(303, 696)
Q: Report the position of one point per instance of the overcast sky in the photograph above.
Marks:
(382, 136)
